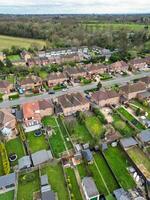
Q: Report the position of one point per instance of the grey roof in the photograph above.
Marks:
(121, 194)
(90, 186)
(41, 157)
(87, 154)
(24, 162)
(145, 94)
(44, 180)
(128, 142)
(48, 195)
(19, 115)
(144, 136)
(8, 180)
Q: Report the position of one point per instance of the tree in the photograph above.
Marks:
(8, 63)
(99, 85)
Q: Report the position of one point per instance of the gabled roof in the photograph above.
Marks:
(24, 162)
(5, 118)
(137, 61)
(145, 79)
(87, 154)
(90, 187)
(128, 142)
(40, 157)
(4, 84)
(31, 80)
(144, 136)
(119, 64)
(55, 76)
(135, 87)
(7, 180)
(104, 95)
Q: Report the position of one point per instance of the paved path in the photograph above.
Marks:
(119, 80)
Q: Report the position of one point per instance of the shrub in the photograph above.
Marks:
(5, 161)
(14, 96)
(100, 115)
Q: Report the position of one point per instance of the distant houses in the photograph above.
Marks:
(119, 66)
(5, 87)
(56, 78)
(31, 82)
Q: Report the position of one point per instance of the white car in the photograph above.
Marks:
(64, 90)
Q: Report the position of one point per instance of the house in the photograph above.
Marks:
(46, 192)
(5, 87)
(128, 142)
(144, 137)
(75, 72)
(40, 157)
(8, 182)
(31, 83)
(144, 95)
(103, 98)
(93, 69)
(7, 124)
(147, 60)
(24, 163)
(146, 80)
(119, 66)
(56, 78)
(25, 55)
(137, 64)
(130, 91)
(2, 56)
(89, 188)
(87, 155)
(71, 103)
(33, 112)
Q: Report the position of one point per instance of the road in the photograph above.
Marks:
(119, 80)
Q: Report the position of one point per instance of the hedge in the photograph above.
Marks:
(5, 161)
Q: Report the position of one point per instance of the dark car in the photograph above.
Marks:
(51, 92)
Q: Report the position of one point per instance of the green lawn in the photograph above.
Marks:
(140, 159)
(56, 140)
(10, 78)
(121, 126)
(72, 182)
(78, 132)
(1, 167)
(14, 57)
(56, 180)
(36, 143)
(95, 127)
(43, 74)
(7, 196)
(15, 146)
(118, 162)
(8, 42)
(27, 185)
(105, 76)
(131, 118)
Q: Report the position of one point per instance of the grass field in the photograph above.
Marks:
(78, 132)
(121, 126)
(56, 140)
(14, 57)
(15, 146)
(71, 178)
(27, 185)
(53, 171)
(8, 42)
(101, 174)
(118, 162)
(140, 159)
(95, 127)
(36, 143)
(7, 196)
(131, 118)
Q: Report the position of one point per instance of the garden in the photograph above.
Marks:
(140, 159)
(56, 140)
(125, 129)
(131, 118)
(28, 184)
(72, 184)
(118, 162)
(7, 196)
(15, 146)
(36, 143)
(105, 76)
(53, 171)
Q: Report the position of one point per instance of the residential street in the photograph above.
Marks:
(120, 80)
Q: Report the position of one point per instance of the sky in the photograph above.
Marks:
(74, 6)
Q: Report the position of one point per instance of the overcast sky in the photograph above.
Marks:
(77, 6)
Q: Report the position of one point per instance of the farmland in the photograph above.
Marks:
(8, 42)
(118, 162)
(53, 171)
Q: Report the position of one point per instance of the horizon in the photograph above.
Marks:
(31, 7)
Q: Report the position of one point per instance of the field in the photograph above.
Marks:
(27, 185)
(78, 132)
(15, 146)
(101, 173)
(8, 42)
(53, 171)
(131, 118)
(73, 182)
(140, 159)
(121, 126)
(36, 143)
(56, 141)
(7, 196)
(94, 126)
(118, 162)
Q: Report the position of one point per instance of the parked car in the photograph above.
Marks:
(51, 92)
